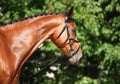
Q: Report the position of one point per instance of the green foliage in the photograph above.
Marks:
(98, 25)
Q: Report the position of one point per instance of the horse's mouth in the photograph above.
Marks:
(75, 59)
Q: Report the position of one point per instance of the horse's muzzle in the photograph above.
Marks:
(76, 58)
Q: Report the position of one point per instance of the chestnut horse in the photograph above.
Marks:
(19, 40)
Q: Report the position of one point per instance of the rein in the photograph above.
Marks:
(53, 60)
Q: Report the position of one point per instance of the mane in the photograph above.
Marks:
(30, 17)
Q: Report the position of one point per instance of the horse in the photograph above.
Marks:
(20, 39)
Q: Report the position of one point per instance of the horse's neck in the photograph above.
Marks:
(24, 37)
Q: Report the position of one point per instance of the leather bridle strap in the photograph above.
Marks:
(60, 33)
(68, 36)
(75, 52)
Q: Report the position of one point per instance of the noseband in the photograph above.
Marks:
(71, 40)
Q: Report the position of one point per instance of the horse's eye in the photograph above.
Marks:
(74, 31)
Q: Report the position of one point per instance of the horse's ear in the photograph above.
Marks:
(70, 12)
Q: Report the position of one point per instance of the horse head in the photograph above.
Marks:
(66, 39)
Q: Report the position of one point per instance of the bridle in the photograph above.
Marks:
(71, 40)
